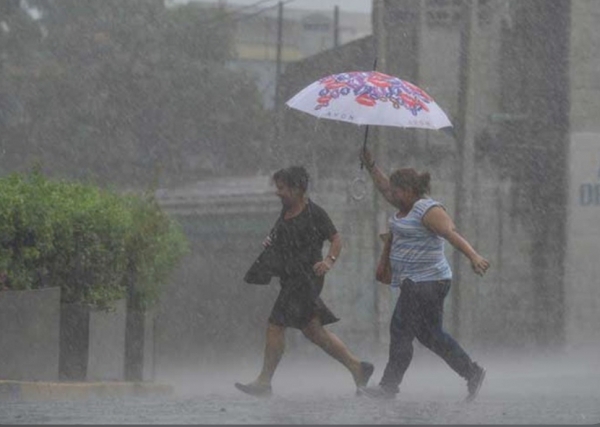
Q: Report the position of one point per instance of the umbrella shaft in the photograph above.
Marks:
(365, 144)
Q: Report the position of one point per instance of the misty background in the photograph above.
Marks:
(187, 100)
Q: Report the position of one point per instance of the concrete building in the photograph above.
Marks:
(304, 33)
(512, 76)
(489, 64)
(582, 269)
(521, 179)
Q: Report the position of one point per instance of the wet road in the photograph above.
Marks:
(518, 391)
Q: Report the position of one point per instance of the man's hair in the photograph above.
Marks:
(293, 177)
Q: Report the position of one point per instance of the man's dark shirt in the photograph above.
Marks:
(300, 239)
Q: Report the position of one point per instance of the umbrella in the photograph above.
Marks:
(370, 98)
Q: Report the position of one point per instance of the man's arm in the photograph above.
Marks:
(335, 248)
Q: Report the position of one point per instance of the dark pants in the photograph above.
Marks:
(419, 313)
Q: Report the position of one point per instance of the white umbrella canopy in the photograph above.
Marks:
(370, 98)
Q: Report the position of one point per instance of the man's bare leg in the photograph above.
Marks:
(336, 348)
(274, 348)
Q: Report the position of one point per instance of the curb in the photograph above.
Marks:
(38, 390)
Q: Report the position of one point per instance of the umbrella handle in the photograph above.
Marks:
(362, 165)
(358, 188)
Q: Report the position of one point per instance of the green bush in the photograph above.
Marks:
(95, 244)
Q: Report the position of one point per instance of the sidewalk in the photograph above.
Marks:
(39, 390)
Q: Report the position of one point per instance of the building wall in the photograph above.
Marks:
(584, 65)
(414, 43)
(516, 210)
(304, 33)
(219, 317)
(582, 292)
(29, 339)
(209, 315)
(536, 192)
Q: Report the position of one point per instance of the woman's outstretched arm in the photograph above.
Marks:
(380, 179)
(438, 221)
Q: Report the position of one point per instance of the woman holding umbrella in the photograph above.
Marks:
(414, 261)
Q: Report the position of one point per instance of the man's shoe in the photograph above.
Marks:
(474, 383)
(255, 389)
(378, 392)
(367, 370)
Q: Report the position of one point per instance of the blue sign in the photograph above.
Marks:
(589, 193)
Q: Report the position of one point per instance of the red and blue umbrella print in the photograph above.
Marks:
(370, 98)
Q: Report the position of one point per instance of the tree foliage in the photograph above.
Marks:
(128, 93)
(95, 244)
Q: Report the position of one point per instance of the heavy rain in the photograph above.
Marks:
(147, 152)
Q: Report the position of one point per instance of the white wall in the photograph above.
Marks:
(582, 268)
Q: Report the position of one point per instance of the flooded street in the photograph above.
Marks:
(519, 391)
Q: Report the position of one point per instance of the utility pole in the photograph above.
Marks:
(465, 165)
(7, 8)
(336, 26)
(278, 54)
(277, 98)
(379, 150)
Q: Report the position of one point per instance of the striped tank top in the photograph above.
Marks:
(417, 253)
